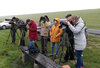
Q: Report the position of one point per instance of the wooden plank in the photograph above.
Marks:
(41, 59)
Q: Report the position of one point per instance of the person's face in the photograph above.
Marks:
(55, 22)
(74, 21)
(29, 22)
(69, 19)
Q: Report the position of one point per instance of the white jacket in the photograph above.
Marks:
(79, 34)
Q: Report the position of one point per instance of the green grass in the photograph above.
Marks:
(91, 17)
(91, 54)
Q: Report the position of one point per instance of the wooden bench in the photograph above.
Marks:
(40, 58)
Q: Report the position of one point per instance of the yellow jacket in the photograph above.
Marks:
(55, 32)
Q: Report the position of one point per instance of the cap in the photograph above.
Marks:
(28, 20)
(68, 15)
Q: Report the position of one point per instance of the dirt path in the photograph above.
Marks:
(94, 31)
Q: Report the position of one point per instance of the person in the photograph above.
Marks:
(65, 66)
(33, 34)
(17, 23)
(13, 29)
(70, 47)
(45, 24)
(55, 33)
(21, 25)
(79, 38)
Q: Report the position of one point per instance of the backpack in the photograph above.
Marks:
(86, 32)
(33, 48)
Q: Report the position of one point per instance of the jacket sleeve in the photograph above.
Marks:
(47, 24)
(51, 31)
(60, 33)
(33, 28)
(76, 29)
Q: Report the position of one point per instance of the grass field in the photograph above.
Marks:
(90, 17)
(10, 55)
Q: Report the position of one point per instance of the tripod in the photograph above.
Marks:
(11, 34)
(22, 37)
(64, 41)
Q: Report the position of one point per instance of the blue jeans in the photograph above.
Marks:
(52, 48)
(30, 43)
(79, 58)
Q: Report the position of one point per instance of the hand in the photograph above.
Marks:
(14, 22)
(68, 23)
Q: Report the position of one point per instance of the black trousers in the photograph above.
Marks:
(70, 54)
(13, 35)
(44, 41)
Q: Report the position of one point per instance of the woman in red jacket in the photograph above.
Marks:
(33, 34)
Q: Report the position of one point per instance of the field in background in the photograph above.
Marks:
(10, 54)
(91, 17)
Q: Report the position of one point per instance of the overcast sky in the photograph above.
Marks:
(17, 7)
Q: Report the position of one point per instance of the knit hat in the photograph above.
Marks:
(28, 20)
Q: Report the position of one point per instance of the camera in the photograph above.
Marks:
(17, 23)
(22, 25)
(11, 22)
(62, 24)
(42, 19)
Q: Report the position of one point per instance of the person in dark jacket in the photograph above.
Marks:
(13, 29)
(70, 42)
(33, 34)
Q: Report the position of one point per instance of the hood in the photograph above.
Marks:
(57, 20)
(80, 20)
(32, 22)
